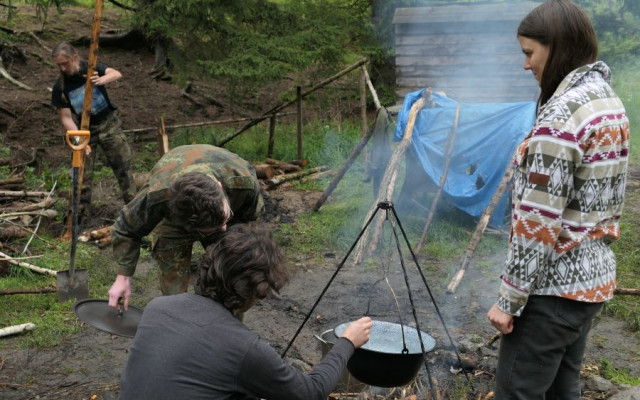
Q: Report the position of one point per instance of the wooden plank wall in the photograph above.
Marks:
(468, 51)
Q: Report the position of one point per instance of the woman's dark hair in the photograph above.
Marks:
(244, 265)
(197, 201)
(566, 29)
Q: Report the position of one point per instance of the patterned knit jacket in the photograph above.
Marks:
(569, 184)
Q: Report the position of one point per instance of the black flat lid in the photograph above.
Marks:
(98, 314)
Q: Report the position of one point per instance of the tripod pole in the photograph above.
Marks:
(331, 280)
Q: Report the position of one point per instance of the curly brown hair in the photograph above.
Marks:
(567, 30)
(197, 201)
(245, 265)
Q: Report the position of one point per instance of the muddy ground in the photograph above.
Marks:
(88, 364)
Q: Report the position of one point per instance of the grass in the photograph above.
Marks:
(616, 375)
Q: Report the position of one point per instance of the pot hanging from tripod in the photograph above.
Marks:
(392, 356)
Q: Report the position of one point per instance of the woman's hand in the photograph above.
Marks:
(500, 320)
(358, 331)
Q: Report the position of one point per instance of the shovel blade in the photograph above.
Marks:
(72, 286)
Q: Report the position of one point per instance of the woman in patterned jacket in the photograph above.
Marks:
(568, 193)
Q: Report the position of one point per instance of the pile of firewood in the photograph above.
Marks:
(275, 172)
(22, 212)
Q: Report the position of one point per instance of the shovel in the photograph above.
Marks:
(74, 284)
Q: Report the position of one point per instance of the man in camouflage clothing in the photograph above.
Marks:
(193, 192)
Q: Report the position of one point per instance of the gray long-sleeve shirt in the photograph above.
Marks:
(190, 347)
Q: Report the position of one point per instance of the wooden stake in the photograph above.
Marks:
(163, 139)
(272, 134)
(480, 227)
(299, 119)
(443, 180)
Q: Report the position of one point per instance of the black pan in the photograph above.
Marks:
(386, 360)
(98, 314)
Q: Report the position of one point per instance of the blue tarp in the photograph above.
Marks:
(486, 138)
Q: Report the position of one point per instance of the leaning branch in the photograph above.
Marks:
(8, 77)
(32, 267)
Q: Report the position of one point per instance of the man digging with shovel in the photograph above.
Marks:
(105, 127)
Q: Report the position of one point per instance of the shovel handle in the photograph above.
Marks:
(78, 148)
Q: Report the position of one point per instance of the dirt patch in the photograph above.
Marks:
(90, 362)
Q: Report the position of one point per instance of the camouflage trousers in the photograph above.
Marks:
(171, 251)
(109, 136)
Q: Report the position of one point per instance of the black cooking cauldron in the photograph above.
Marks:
(384, 360)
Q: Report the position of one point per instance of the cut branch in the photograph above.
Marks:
(374, 94)
(15, 329)
(11, 79)
(296, 175)
(32, 267)
(21, 194)
(480, 227)
(388, 182)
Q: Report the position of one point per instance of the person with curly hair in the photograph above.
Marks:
(193, 193)
(568, 194)
(192, 346)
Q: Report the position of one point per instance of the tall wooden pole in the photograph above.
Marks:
(85, 118)
(363, 111)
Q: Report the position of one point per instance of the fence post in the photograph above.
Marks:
(272, 132)
(299, 107)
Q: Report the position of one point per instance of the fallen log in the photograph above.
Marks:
(9, 181)
(627, 291)
(46, 203)
(103, 242)
(32, 267)
(319, 175)
(15, 329)
(27, 291)
(283, 165)
(280, 179)
(13, 232)
(264, 171)
(21, 193)
(43, 212)
(96, 234)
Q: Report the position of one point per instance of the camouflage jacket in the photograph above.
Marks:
(150, 207)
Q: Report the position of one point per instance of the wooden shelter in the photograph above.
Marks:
(468, 51)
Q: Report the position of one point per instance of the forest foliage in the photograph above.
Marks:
(251, 42)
